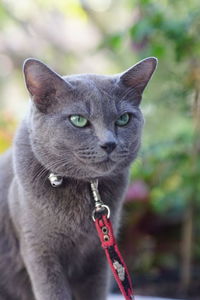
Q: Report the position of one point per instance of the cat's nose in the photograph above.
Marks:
(108, 146)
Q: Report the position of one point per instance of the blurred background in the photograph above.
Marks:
(160, 235)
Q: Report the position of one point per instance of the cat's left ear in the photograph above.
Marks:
(135, 79)
(43, 84)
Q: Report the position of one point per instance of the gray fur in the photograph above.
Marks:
(49, 249)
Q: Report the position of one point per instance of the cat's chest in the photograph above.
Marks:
(71, 233)
(66, 215)
(73, 205)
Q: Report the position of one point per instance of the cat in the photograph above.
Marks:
(80, 127)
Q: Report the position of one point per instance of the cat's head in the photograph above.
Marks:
(86, 126)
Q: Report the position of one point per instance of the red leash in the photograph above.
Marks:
(101, 217)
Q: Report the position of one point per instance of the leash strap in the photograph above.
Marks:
(101, 217)
(114, 257)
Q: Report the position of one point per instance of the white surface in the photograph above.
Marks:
(116, 297)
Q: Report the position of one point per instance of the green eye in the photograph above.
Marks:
(78, 121)
(123, 120)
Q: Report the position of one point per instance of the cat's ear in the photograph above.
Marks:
(135, 79)
(42, 83)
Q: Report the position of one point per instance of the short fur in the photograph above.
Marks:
(49, 249)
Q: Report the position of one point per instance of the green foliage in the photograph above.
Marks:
(168, 170)
(163, 25)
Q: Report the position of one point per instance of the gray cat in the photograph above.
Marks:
(81, 127)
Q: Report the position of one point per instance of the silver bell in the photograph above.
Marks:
(55, 180)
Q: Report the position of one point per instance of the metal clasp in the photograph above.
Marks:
(99, 205)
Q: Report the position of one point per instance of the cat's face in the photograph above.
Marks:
(86, 126)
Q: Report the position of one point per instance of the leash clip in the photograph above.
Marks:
(100, 207)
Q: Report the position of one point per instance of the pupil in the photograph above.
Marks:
(124, 118)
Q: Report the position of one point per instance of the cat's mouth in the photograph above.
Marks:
(97, 161)
(105, 164)
(103, 168)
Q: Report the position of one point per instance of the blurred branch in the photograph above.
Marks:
(94, 18)
(101, 26)
(186, 251)
(189, 219)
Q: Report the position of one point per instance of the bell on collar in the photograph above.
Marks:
(55, 180)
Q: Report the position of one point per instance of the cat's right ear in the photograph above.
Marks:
(43, 84)
(134, 80)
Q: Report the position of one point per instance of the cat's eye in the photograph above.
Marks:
(78, 121)
(123, 120)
